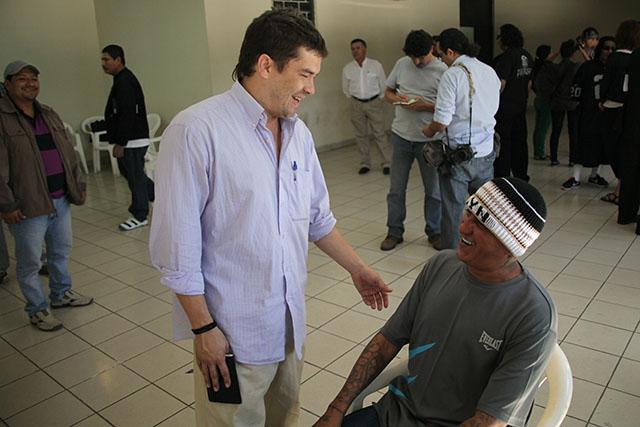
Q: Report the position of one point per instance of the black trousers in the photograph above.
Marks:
(629, 201)
(514, 153)
(142, 192)
(557, 120)
(612, 136)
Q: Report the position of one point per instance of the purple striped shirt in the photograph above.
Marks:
(50, 156)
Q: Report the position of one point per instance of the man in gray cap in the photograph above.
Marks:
(480, 328)
(39, 176)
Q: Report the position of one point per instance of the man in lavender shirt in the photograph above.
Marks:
(240, 195)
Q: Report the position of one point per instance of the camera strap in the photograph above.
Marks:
(472, 91)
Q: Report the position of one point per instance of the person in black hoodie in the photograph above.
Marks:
(614, 89)
(590, 149)
(562, 102)
(514, 68)
(128, 130)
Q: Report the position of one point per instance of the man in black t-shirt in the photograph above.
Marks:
(514, 68)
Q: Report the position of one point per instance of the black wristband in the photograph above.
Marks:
(205, 328)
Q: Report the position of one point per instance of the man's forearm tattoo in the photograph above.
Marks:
(374, 358)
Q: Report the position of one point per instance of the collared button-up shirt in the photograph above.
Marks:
(363, 82)
(232, 222)
(452, 106)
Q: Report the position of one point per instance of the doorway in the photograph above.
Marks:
(477, 15)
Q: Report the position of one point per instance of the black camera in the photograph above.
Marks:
(462, 153)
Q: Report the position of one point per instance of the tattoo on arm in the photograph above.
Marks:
(374, 358)
(482, 419)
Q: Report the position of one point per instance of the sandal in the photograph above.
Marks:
(610, 198)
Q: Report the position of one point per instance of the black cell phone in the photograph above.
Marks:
(231, 394)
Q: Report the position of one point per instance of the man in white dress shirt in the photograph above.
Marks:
(465, 122)
(363, 82)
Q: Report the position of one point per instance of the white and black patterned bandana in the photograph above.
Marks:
(512, 209)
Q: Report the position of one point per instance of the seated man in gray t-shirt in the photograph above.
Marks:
(480, 328)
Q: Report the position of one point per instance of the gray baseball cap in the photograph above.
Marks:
(15, 67)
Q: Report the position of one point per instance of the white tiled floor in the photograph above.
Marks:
(114, 364)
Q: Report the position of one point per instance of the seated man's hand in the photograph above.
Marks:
(372, 289)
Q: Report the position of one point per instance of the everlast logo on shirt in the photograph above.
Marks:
(525, 70)
(489, 343)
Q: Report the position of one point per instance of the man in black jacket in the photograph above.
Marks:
(128, 131)
(513, 66)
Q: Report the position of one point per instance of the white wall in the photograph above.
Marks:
(384, 24)
(225, 31)
(60, 38)
(552, 22)
(165, 44)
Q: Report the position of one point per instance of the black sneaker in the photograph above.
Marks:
(554, 163)
(598, 180)
(570, 184)
(363, 170)
(386, 170)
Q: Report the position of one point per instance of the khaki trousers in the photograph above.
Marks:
(270, 396)
(372, 114)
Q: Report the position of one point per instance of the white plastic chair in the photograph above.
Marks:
(75, 137)
(99, 146)
(558, 373)
(152, 153)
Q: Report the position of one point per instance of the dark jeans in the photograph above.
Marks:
(404, 154)
(365, 417)
(514, 154)
(142, 192)
(557, 119)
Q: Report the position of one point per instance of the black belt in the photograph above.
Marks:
(366, 100)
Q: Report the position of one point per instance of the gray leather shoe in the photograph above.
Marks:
(390, 242)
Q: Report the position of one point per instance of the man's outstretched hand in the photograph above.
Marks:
(372, 289)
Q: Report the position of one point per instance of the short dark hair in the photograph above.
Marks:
(277, 33)
(418, 43)
(364, 43)
(628, 35)
(454, 39)
(115, 51)
(568, 48)
(600, 46)
(511, 36)
(590, 33)
(543, 51)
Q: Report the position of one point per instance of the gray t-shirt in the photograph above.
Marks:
(409, 80)
(471, 346)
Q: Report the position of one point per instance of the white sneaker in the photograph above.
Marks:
(72, 299)
(45, 321)
(132, 224)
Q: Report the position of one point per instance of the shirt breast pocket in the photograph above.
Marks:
(299, 192)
